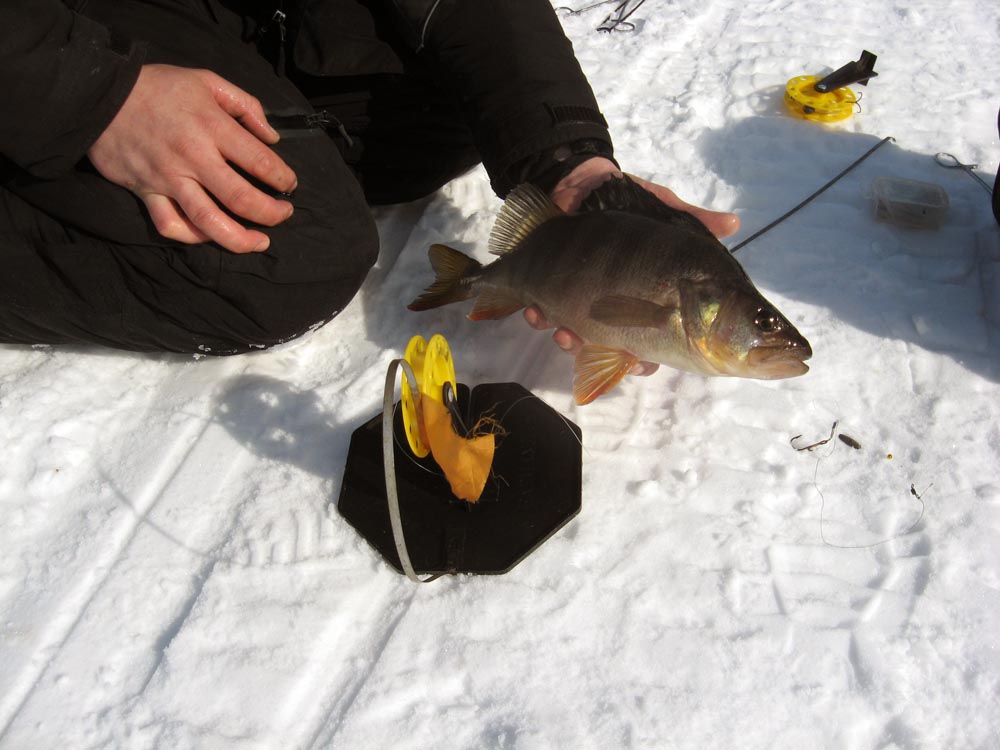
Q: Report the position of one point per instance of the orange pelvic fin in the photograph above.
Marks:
(598, 370)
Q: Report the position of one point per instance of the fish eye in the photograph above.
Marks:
(767, 320)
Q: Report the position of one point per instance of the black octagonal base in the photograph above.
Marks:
(533, 489)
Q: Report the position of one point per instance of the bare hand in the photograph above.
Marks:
(577, 185)
(570, 193)
(170, 144)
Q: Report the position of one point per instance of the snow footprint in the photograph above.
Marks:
(831, 587)
(287, 538)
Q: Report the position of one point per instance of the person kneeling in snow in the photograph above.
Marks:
(196, 175)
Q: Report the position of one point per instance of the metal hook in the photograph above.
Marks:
(950, 161)
(577, 11)
(618, 19)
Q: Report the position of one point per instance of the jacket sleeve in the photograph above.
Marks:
(530, 107)
(63, 78)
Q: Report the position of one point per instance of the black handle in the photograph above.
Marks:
(858, 71)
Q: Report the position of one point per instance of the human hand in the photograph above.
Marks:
(570, 193)
(577, 185)
(172, 143)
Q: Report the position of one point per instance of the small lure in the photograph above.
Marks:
(848, 440)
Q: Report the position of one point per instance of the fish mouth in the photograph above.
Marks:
(776, 361)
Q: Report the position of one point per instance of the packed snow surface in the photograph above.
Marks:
(174, 572)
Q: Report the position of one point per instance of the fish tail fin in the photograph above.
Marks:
(452, 269)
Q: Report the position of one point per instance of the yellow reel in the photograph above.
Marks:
(806, 102)
(433, 366)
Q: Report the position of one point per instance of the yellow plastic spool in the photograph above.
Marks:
(806, 102)
(433, 366)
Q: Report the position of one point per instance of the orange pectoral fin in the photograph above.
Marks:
(619, 310)
(598, 370)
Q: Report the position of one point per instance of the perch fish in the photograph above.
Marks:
(634, 278)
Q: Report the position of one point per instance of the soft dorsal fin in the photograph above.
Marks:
(598, 370)
(525, 209)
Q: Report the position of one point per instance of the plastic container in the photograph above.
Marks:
(910, 203)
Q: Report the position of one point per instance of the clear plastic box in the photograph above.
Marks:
(909, 202)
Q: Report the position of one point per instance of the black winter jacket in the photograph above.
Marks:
(64, 77)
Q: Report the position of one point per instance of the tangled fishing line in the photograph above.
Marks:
(854, 444)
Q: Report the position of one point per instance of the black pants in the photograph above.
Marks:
(83, 264)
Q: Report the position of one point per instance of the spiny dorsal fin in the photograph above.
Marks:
(598, 370)
(620, 310)
(525, 209)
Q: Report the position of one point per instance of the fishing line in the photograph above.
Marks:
(528, 397)
(894, 537)
(565, 421)
(822, 498)
(819, 192)
(405, 449)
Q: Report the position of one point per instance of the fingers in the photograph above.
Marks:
(245, 150)
(570, 343)
(243, 199)
(170, 222)
(587, 176)
(190, 144)
(240, 105)
(578, 184)
(242, 147)
(206, 216)
(564, 338)
(643, 369)
(535, 318)
(720, 223)
(192, 216)
(252, 156)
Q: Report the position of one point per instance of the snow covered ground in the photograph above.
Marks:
(174, 572)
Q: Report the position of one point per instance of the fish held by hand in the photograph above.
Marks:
(634, 278)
